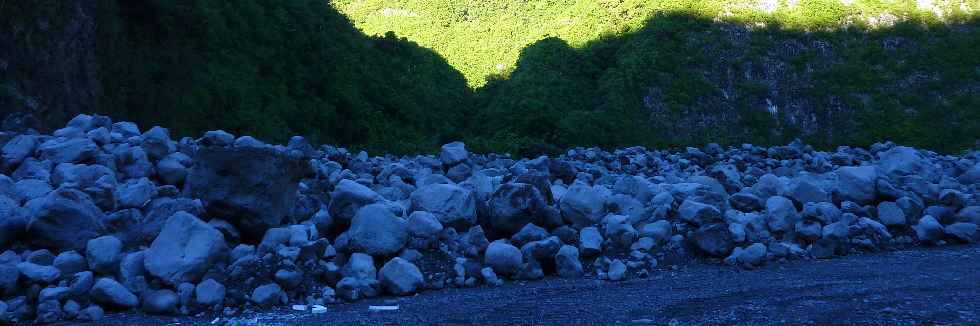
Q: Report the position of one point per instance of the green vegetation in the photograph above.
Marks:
(530, 77)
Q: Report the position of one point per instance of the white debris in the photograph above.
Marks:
(318, 309)
(299, 307)
(383, 308)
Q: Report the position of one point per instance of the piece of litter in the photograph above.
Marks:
(318, 309)
(215, 321)
(299, 307)
(383, 308)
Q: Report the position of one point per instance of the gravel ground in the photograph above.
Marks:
(918, 286)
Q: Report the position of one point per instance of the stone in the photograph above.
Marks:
(132, 272)
(160, 302)
(567, 263)
(781, 215)
(489, 277)
(400, 277)
(107, 291)
(70, 262)
(713, 240)
(209, 293)
(219, 138)
(928, 230)
(857, 183)
(891, 215)
(453, 153)
(582, 206)
(453, 205)
(963, 232)
(746, 202)
(16, 150)
(423, 225)
(48, 311)
(64, 219)
(514, 205)
(289, 279)
(802, 190)
(38, 273)
(528, 233)
(103, 254)
(659, 231)
(252, 188)
(617, 270)
(185, 249)
(81, 283)
(822, 212)
(267, 295)
(590, 242)
(348, 197)
(91, 313)
(698, 213)
(375, 230)
(753, 255)
(67, 150)
(504, 258)
(135, 193)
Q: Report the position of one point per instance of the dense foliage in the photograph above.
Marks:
(529, 77)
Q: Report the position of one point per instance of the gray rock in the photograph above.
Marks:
(698, 213)
(582, 206)
(360, 266)
(107, 291)
(617, 270)
(103, 254)
(218, 138)
(48, 311)
(542, 250)
(172, 169)
(185, 294)
(969, 214)
(528, 233)
(454, 206)
(746, 202)
(16, 150)
(252, 188)
(33, 169)
(514, 205)
(781, 215)
(57, 293)
(567, 263)
(857, 183)
(12, 221)
(135, 193)
(157, 143)
(753, 255)
(40, 257)
(928, 230)
(901, 161)
(267, 295)
(400, 277)
(67, 150)
(504, 258)
(423, 225)
(375, 230)
(350, 288)
(453, 153)
(963, 232)
(63, 219)
(891, 215)
(289, 279)
(590, 242)
(209, 293)
(348, 197)
(184, 250)
(37, 273)
(81, 283)
(160, 302)
(91, 313)
(823, 212)
(802, 190)
(70, 262)
(659, 231)
(713, 240)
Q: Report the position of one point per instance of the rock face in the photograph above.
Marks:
(252, 188)
(184, 250)
(63, 219)
(375, 230)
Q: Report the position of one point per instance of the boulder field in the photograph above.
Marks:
(101, 216)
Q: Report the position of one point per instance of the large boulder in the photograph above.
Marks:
(713, 240)
(697, 213)
(109, 292)
(857, 184)
(12, 222)
(16, 150)
(514, 205)
(781, 215)
(901, 161)
(453, 153)
(504, 258)
(185, 249)
(928, 230)
(253, 188)
(582, 206)
(375, 230)
(891, 215)
(67, 150)
(348, 197)
(64, 219)
(400, 277)
(453, 205)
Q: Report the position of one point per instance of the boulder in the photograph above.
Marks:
(107, 291)
(453, 153)
(348, 197)
(267, 295)
(160, 302)
(400, 277)
(453, 205)
(135, 193)
(37, 273)
(64, 219)
(698, 213)
(590, 241)
(567, 263)
(375, 230)
(514, 205)
(103, 254)
(891, 215)
(528, 233)
(781, 215)
(901, 161)
(423, 225)
(16, 150)
(209, 293)
(67, 150)
(857, 184)
(504, 258)
(963, 232)
(713, 240)
(185, 249)
(253, 188)
(928, 230)
(582, 206)
(70, 262)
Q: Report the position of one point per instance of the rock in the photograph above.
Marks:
(107, 291)
(423, 225)
(91, 313)
(289, 279)
(348, 197)
(514, 205)
(67, 150)
(157, 143)
(135, 193)
(103, 254)
(209, 293)
(529, 233)
(963, 232)
(713, 240)
(350, 288)
(970, 214)
(375, 230)
(400, 277)
(504, 258)
(803, 191)
(41, 257)
(746, 202)
(160, 302)
(567, 263)
(857, 183)
(781, 215)
(453, 153)
(267, 295)
(698, 213)
(590, 242)
(489, 277)
(891, 215)
(70, 262)
(37, 273)
(132, 272)
(71, 309)
(185, 249)
(219, 138)
(172, 169)
(253, 188)
(48, 311)
(753, 255)
(928, 230)
(618, 230)
(16, 150)
(53, 293)
(617, 270)
(582, 206)
(823, 212)
(64, 219)
(454, 206)
(659, 231)
(902, 161)
(81, 283)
